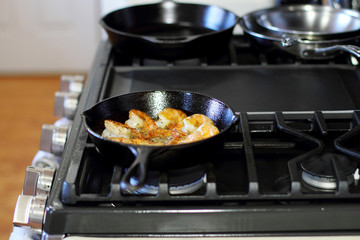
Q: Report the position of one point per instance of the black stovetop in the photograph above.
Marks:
(290, 111)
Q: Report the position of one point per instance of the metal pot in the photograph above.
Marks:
(157, 157)
(307, 31)
(170, 30)
(351, 4)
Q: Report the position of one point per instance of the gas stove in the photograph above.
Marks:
(289, 168)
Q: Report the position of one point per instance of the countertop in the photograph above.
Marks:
(26, 103)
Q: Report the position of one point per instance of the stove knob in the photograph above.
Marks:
(29, 211)
(53, 138)
(38, 181)
(72, 83)
(47, 161)
(66, 104)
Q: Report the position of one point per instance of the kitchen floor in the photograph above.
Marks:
(26, 103)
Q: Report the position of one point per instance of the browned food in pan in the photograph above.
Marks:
(173, 126)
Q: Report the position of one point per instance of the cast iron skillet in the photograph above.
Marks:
(170, 30)
(156, 157)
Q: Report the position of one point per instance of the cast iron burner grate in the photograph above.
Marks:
(263, 159)
(319, 171)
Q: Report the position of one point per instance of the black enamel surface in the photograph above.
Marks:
(252, 88)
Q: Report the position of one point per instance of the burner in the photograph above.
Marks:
(151, 186)
(181, 181)
(318, 171)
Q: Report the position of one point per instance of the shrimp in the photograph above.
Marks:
(194, 121)
(205, 130)
(172, 127)
(140, 120)
(117, 129)
(135, 141)
(165, 136)
(208, 130)
(125, 134)
(170, 118)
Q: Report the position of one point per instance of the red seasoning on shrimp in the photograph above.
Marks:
(172, 127)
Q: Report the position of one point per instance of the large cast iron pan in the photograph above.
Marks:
(156, 157)
(307, 31)
(170, 30)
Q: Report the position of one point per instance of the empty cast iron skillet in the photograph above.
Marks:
(170, 30)
(156, 157)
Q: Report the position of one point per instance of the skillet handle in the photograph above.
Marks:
(353, 50)
(138, 169)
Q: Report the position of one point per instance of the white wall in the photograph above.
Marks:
(48, 36)
(61, 36)
(240, 7)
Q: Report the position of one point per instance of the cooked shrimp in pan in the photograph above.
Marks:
(194, 121)
(172, 127)
(205, 130)
(166, 136)
(135, 141)
(140, 120)
(170, 118)
(208, 130)
(117, 129)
